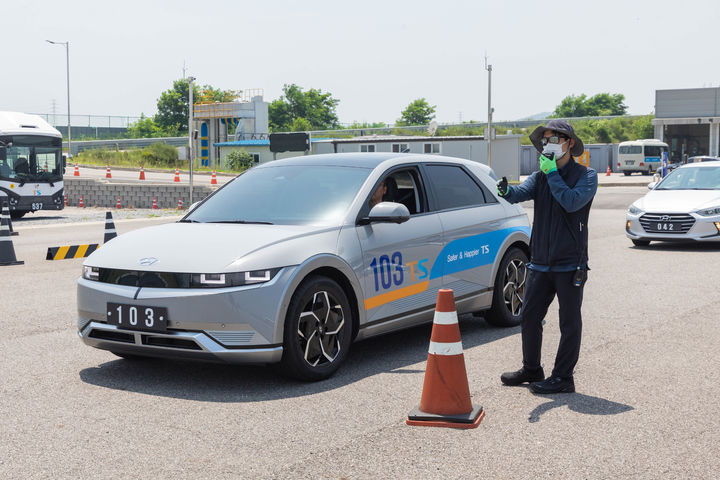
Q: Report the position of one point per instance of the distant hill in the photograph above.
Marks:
(538, 116)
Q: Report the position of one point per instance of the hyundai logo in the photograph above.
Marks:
(147, 261)
(665, 218)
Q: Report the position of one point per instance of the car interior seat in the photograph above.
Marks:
(391, 194)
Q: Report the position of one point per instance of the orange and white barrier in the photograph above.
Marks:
(180, 204)
(177, 176)
(77, 171)
(107, 173)
(445, 400)
(154, 205)
(142, 173)
(213, 180)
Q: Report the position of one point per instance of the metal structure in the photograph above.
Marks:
(67, 59)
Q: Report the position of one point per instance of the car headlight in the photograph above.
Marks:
(220, 280)
(633, 210)
(709, 212)
(91, 273)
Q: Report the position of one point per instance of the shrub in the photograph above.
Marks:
(239, 160)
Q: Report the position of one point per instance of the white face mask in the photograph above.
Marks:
(555, 148)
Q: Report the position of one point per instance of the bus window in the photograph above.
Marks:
(652, 150)
(631, 149)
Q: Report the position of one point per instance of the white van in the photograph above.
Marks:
(642, 156)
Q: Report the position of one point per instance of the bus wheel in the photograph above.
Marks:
(627, 174)
(16, 214)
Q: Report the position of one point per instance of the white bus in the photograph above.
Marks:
(31, 164)
(642, 156)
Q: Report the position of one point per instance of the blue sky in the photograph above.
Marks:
(375, 57)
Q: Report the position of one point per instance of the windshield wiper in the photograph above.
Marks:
(188, 220)
(243, 222)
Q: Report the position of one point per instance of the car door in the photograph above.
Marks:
(473, 228)
(398, 258)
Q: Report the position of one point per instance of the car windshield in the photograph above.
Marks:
(692, 178)
(287, 195)
(31, 159)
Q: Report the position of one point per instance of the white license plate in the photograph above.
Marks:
(629, 162)
(137, 317)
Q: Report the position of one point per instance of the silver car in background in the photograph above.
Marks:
(684, 206)
(288, 263)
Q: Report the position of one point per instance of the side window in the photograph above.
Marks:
(431, 148)
(367, 148)
(400, 186)
(453, 187)
(400, 147)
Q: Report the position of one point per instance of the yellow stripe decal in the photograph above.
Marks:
(62, 251)
(388, 297)
(81, 251)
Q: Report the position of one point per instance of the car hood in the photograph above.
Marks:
(196, 247)
(678, 201)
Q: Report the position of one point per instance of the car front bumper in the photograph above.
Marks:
(704, 229)
(232, 325)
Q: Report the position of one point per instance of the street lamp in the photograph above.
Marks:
(67, 59)
(190, 133)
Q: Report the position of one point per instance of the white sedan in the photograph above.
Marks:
(684, 206)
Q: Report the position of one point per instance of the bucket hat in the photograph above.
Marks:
(560, 126)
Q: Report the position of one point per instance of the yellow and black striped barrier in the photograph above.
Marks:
(70, 251)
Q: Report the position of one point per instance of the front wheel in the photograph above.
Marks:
(318, 330)
(627, 174)
(17, 214)
(509, 292)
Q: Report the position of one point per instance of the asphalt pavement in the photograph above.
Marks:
(646, 405)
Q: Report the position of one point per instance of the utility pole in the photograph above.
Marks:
(67, 59)
(190, 134)
(488, 134)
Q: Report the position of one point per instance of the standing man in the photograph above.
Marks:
(562, 191)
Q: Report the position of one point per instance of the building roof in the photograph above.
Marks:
(256, 143)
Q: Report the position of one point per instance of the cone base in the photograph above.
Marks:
(418, 418)
(12, 234)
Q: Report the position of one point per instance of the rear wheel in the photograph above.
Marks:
(627, 174)
(318, 330)
(17, 214)
(641, 243)
(509, 292)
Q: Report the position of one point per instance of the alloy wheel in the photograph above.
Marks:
(514, 285)
(320, 328)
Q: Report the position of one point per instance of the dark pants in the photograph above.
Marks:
(540, 290)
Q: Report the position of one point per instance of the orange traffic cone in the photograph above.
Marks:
(77, 171)
(445, 400)
(65, 199)
(177, 176)
(142, 173)
(154, 207)
(108, 174)
(607, 174)
(118, 204)
(81, 204)
(213, 180)
(45, 168)
(180, 204)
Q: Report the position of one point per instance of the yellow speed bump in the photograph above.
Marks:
(70, 251)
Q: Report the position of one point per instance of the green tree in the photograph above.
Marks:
(145, 127)
(209, 93)
(300, 125)
(419, 112)
(313, 106)
(173, 108)
(602, 104)
(239, 160)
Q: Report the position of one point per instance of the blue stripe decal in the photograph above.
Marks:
(652, 159)
(471, 252)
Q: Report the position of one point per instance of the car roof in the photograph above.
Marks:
(363, 160)
(710, 163)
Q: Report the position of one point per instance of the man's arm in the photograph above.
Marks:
(573, 199)
(524, 191)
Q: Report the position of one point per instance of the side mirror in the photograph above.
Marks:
(387, 212)
(652, 185)
(64, 163)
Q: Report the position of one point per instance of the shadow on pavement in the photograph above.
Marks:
(577, 402)
(27, 219)
(211, 382)
(681, 247)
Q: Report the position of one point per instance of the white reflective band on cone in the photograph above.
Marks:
(452, 348)
(110, 230)
(445, 318)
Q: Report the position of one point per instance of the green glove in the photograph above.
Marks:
(502, 187)
(548, 165)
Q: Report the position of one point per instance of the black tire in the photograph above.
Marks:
(17, 214)
(627, 174)
(641, 243)
(318, 330)
(646, 172)
(509, 291)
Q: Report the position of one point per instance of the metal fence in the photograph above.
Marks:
(94, 121)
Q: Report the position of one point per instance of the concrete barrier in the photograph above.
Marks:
(98, 193)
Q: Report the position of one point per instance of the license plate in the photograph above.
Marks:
(137, 317)
(629, 162)
(667, 226)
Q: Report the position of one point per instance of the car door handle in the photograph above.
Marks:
(495, 224)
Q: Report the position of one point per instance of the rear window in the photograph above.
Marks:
(453, 187)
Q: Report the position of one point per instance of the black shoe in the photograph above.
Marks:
(513, 379)
(554, 385)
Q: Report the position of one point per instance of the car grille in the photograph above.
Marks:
(134, 278)
(649, 222)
